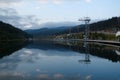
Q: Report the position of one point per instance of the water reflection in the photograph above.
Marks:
(61, 61)
(7, 48)
(111, 53)
(87, 51)
(103, 51)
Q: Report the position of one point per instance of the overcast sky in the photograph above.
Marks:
(29, 14)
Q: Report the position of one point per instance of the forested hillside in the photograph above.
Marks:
(102, 30)
(9, 32)
(111, 25)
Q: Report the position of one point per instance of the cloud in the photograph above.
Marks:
(5, 75)
(88, 77)
(7, 3)
(53, 1)
(88, 1)
(43, 76)
(7, 12)
(57, 1)
(9, 15)
(46, 77)
(28, 52)
(58, 76)
(57, 24)
(43, 1)
(61, 1)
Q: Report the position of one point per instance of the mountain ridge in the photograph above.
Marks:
(46, 31)
(9, 32)
(109, 25)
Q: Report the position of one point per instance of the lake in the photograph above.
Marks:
(63, 60)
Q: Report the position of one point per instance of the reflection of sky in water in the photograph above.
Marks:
(31, 64)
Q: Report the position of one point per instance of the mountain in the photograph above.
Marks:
(9, 32)
(111, 25)
(46, 31)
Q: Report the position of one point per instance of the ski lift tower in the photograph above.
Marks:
(86, 20)
(86, 38)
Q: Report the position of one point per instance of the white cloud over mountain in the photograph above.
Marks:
(61, 1)
(10, 16)
(8, 3)
(16, 2)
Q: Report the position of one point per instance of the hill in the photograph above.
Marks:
(46, 31)
(102, 30)
(9, 32)
(111, 25)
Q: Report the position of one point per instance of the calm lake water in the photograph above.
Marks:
(59, 61)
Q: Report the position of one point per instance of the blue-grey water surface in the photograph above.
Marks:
(60, 61)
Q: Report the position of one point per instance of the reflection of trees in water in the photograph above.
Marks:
(9, 63)
(103, 51)
(7, 48)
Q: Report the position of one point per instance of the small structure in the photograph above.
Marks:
(118, 35)
(86, 20)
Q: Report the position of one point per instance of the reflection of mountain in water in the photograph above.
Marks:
(51, 48)
(103, 51)
(46, 46)
(7, 48)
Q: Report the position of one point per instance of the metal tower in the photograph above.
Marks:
(86, 20)
(86, 60)
(86, 38)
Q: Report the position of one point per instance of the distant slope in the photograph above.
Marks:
(111, 25)
(46, 31)
(9, 32)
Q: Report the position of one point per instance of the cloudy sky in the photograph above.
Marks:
(30, 14)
